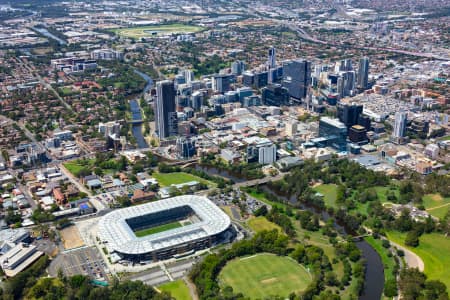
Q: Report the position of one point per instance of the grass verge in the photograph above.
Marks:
(177, 289)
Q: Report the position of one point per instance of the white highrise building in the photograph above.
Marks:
(291, 128)
(188, 75)
(267, 154)
(400, 124)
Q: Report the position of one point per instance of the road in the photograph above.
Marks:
(47, 85)
(28, 134)
(306, 36)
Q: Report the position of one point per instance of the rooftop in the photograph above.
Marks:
(119, 237)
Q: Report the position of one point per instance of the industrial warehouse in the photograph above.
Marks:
(164, 229)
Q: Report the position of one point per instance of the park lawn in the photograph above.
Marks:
(434, 249)
(262, 275)
(66, 91)
(261, 197)
(260, 223)
(156, 229)
(177, 289)
(388, 262)
(119, 85)
(146, 31)
(436, 205)
(167, 179)
(329, 192)
(74, 167)
(381, 193)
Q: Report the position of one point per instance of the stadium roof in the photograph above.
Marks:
(114, 229)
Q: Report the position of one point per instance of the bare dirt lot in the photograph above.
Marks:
(71, 237)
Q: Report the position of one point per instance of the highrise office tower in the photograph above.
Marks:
(275, 74)
(271, 61)
(188, 75)
(166, 116)
(297, 77)
(275, 95)
(345, 83)
(334, 132)
(221, 82)
(363, 73)
(349, 113)
(343, 65)
(400, 125)
(237, 67)
(185, 147)
(348, 65)
(196, 100)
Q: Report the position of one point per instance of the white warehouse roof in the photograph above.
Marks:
(119, 237)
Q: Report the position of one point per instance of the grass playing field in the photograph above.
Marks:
(167, 179)
(177, 289)
(434, 249)
(436, 205)
(262, 275)
(261, 223)
(159, 30)
(156, 229)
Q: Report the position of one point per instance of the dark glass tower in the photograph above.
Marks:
(166, 115)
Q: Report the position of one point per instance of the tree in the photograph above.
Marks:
(98, 171)
(390, 288)
(123, 201)
(413, 285)
(12, 217)
(262, 211)
(434, 289)
(412, 239)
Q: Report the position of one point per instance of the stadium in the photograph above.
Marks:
(164, 229)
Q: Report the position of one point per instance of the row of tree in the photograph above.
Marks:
(30, 284)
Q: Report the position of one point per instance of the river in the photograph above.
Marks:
(46, 33)
(136, 113)
(374, 276)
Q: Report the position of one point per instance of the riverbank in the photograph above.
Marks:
(136, 113)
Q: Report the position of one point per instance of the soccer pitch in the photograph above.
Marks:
(156, 229)
(261, 275)
(156, 30)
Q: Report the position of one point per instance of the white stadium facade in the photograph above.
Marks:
(201, 224)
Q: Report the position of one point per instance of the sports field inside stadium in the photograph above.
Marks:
(157, 30)
(156, 229)
(261, 275)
